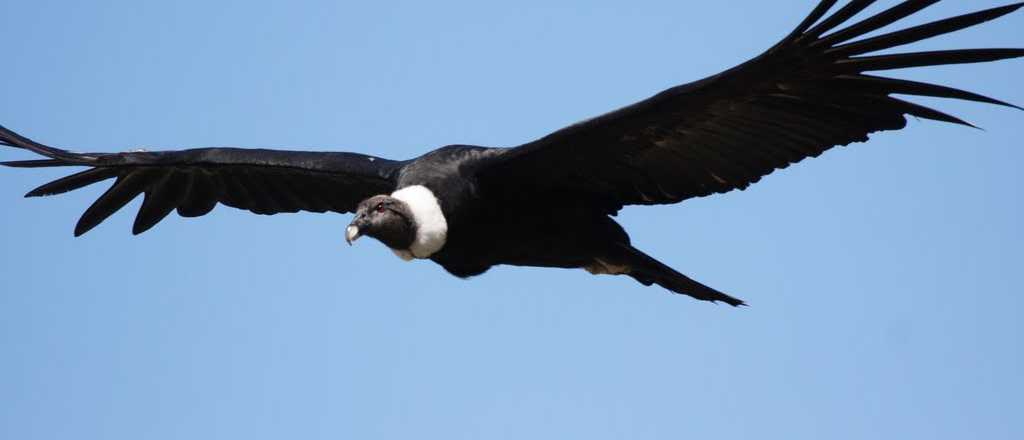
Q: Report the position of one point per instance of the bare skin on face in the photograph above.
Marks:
(384, 218)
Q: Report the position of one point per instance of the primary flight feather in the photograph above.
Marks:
(552, 200)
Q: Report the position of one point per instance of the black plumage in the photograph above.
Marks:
(549, 202)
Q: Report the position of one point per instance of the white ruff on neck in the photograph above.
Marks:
(431, 226)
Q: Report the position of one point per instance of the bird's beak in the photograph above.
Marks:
(352, 233)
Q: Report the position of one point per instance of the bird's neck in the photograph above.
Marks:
(430, 224)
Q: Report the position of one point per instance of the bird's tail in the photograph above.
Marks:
(647, 271)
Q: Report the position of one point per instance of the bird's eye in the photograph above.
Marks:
(380, 207)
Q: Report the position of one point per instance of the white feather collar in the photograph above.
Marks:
(431, 226)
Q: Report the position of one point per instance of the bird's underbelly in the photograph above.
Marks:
(564, 242)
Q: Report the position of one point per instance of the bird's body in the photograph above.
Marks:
(492, 225)
(551, 202)
(467, 225)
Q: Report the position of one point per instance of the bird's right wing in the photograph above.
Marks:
(194, 181)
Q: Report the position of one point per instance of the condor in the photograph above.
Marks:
(550, 202)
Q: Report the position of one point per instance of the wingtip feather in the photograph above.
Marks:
(877, 21)
(921, 111)
(895, 86)
(81, 230)
(922, 32)
(735, 302)
(837, 19)
(35, 163)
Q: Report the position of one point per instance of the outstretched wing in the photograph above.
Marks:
(194, 181)
(806, 94)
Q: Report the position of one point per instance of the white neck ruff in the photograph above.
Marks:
(431, 226)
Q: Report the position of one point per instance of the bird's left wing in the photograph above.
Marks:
(803, 96)
(194, 181)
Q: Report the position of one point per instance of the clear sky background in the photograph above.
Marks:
(884, 279)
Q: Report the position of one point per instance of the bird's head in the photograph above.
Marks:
(385, 218)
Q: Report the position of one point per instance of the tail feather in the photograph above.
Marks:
(647, 271)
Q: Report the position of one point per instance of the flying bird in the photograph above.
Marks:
(551, 202)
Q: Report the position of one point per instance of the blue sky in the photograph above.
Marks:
(884, 279)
